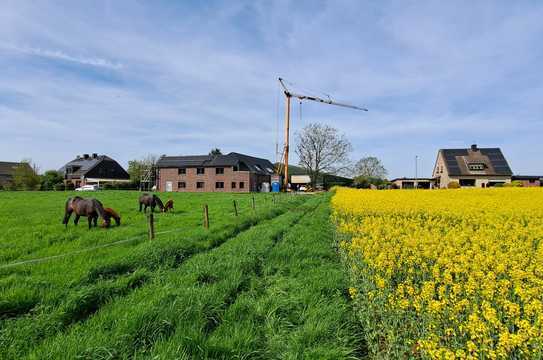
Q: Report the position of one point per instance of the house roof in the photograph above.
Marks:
(527, 177)
(412, 179)
(84, 165)
(8, 168)
(255, 165)
(461, 162)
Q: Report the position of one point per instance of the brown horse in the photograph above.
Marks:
(91, 208)
(168, 205)
(152, 201)
(108, 214)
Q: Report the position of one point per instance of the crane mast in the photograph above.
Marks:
(288, 96)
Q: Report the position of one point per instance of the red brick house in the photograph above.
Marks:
(93, 169)
(213, 173)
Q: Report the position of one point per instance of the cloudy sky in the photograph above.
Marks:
(129, 78)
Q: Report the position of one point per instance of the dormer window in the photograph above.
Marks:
(476, 166)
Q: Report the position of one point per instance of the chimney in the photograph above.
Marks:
(78, 157)
(85, 156)
(474, 147)
(94, 155)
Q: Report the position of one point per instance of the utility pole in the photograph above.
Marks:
(288, 96)
(416, 171)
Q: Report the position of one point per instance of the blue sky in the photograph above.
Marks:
(138, 77)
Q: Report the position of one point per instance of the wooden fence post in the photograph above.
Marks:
(254, 203)
(235, 208)
(206, 217)
(151, 226)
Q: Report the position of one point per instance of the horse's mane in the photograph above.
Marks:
(158, 201)
(111, 213)
(99, 208)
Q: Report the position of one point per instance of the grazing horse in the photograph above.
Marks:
(152, 201)
(91, 208)
(108, 214)
(168, 205)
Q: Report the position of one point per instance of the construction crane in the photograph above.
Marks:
(301, 97)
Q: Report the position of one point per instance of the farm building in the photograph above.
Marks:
(7, 171)
(93, 169)
(409, 183)
(528, 181)
(472, 167)
(233, 172)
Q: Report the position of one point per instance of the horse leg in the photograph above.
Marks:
(95, 221)
(89, 218)
(76, 220)
(67, 218)
(141, 206)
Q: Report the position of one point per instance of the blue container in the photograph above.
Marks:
(276, 186)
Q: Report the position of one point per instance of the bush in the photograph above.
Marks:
(453, 185)
(70, 186)
(60, 187)
(514, 183)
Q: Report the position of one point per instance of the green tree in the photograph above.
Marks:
(26, 176)
(215, 152)
(50, 179)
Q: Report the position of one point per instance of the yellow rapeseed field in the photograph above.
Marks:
(445, 273)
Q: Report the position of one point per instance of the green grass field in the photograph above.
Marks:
(265, 284)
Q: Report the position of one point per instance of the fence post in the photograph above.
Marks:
(151, 226)
(235, 208)
(206, 217)
(273, 199)
(254, 203)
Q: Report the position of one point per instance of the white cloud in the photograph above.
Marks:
(59, 55)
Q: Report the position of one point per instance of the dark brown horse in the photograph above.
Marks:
(108, 214)
(152, 201)
(168, 205)
(91, 208)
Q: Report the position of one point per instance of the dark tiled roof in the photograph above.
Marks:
(255, 165)
(457, 161)
(527, 177)
(84, 165)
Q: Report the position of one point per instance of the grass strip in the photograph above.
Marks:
(190, 297)
(19, 335)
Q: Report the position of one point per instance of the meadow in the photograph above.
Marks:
(265, 284)
(445, 274)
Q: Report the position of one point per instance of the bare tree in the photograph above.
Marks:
(370, 167)
(321, 148)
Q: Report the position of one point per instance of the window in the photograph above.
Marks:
(200, 171)
(219, 185)
(181, 171)
(241, 184)
(181, 185)
(467, 182)
(476, 166)
(233, 184)
(219, 171)
(200, 185)
(235, 168)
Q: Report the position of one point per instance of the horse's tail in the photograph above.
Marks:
(67, 211)
(99, 208)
